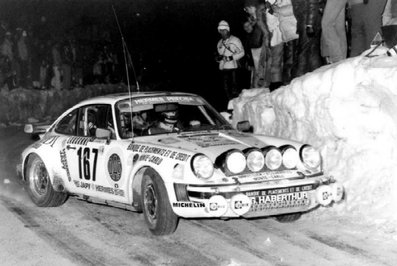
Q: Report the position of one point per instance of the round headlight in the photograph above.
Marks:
(236, 162)
(255, 160)
(310, 157)
(273, 159)
(290, 158)
(202, 166)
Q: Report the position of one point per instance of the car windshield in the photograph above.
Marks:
(160, 115)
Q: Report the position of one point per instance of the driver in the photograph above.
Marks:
(91, 119)
(168, 123)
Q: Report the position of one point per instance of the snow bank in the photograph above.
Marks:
(349, 111)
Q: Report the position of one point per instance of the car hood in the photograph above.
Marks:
(211, 143)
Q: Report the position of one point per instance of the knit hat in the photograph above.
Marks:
(223, 25)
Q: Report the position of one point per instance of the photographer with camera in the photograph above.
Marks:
(230, 50)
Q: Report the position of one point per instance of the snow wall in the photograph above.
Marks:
(349, 111)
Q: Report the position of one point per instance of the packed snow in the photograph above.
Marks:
(348, 111)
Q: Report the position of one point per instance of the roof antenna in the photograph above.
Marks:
(127, 56)
(128, 61)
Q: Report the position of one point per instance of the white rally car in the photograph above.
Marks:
(171, 155)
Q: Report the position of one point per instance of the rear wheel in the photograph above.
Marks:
(288, 218)
(159, 216)
(39, 185)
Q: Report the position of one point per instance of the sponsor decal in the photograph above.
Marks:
(166, 153)
(168, 99)
(49, 140)
(217, 205)
(64, 163)
(279, 198)
(99, 188)
(188, 204)
(81, 184)
(240, 204)
(79, 141)
(150, 158)
(208, 140)
(110, 190)
(114, 167)
(269, 175)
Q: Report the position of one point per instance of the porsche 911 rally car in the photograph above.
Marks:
(171, 155)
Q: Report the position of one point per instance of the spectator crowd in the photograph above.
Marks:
(31, 57)
(285, 39)
(282, 40)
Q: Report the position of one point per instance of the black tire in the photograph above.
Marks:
(39, 185)
(159, 216)
(288, 218)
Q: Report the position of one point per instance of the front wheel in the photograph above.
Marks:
(39, 185)
(159, 216)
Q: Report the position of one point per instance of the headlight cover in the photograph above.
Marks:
(202, 166)
(290, 157)
(255, 160)
(235, 161)
(273, 158)
(310, 157)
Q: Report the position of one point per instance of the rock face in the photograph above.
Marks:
(348, 110)
(21, 105)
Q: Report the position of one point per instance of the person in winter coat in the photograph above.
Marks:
(366, 22)
(389, 29)
(333, 38)
(230, 50)
(22, 58)
(307, 49)
(262, 54)
(56, 66)
(8, 62)
(389, 16)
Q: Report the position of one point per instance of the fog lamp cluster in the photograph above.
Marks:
(252, 160)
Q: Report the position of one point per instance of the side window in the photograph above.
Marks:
(92, 117)
(67, 125)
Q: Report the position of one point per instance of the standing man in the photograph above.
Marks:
(333, 38)
(366, 21)
(230, 50)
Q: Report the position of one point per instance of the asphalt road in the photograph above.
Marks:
(81, 233)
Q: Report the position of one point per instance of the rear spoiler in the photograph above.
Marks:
(36, 129)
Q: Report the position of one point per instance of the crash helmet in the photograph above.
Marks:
(170, 117)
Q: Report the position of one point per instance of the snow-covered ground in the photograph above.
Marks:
(349, 111)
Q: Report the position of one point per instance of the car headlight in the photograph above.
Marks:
(255, 160)
(290, 157)
(310, 157)
(273, 158)
(202, 166)
(235, 161)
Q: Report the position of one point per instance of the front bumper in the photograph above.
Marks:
(256, 200)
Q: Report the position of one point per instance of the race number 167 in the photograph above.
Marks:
(85, 163)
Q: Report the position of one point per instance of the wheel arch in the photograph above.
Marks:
(55, 185)
(136, 185)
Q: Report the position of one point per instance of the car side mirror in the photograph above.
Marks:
(103, 133)
(244, 126)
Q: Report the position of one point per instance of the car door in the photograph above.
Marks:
(84, 150)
